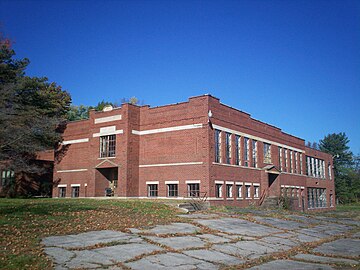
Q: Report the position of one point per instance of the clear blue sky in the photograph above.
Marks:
(293, 64)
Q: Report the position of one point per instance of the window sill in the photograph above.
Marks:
(106, 157)
(239, 198)
(229, 199)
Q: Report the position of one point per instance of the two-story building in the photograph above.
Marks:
(196, 148)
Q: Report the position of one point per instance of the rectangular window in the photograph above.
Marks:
(317, 168)
(285, 160)
(229, 191)
(267, 153)
(173, 190)
(296, 163)
(291, 162)
(254, 153)
(237, 150)
(152, 190)
(246, 151)
(193, 190)
(317, 198)
(228, 147)
(107, 146)
(256, 191)
(217, 146)
(280, 159)
(329, 169)
(313, 167)
(248, 191)
(239, 191)
(62, 192)
(301, 164)
(75, 192)
(218, 190)
(7, 177)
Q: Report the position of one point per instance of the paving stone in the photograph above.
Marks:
(304, 238)
(170, 261)
(314, 232)
(307, 220)
(199, 216)
(238, 226)
(87, 239)
(123, 253)
(88, 259)
(321, 259)
(356, 235)
(281, 223)
(341, 247)
(279, 241)
(214, 238)
(181, 242)
(287, 264)
(173, 228)
(59, 255)
(246, 249)
(213, 256)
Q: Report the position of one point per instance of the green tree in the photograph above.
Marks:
(346, 178)
(78, 112)
(32, 114)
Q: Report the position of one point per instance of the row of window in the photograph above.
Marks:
(240, 158)
(295, 158)
(315, 167)
(250, 190)
(75, 191)
(172, 190)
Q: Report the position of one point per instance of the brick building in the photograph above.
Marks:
(196, 148)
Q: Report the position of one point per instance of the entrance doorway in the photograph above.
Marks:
(110, 175)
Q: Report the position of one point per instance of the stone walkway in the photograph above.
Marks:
(214, 242)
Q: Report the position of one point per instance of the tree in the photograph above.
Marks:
(32, 115)
(345, 173)
(78, 112)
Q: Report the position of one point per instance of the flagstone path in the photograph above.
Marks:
(214, 242)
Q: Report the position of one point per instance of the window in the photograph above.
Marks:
(193, 190)
(317, 198)
(107, 146)
(329, 169)
(239, 191)
(218, 190)
(75, 192)
(246, 151)
(301, 164)
(280, 159)
(229, 191)
(152, 190)
(291, 162)
(228, 147)
(7, 177)
(173, 190)
(237, 149)
(267, 153)
(254, 153)
(256, 191)
(62, 192)
(248, 191)
(285, 160)
(331, 200)
(313, 167)
(217, 146)
(296, 163)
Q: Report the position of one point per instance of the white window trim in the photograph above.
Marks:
(219, 182)
(75, 141)
(152, 182)
(75, 185)
(192, 181)
(229, 182)
(167, 129)
(171, 182)
(62, 185)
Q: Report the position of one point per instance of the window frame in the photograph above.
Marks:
(152, 192)
(108, 146)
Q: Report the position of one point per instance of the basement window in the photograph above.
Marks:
(75, 192)
(229, 191)
(193, 190)
(152, 190)
(62, 192)
(218, 190)
(173, 190)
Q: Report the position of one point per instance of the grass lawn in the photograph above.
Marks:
(24, 222)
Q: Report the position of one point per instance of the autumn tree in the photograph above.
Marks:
(32, 115)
